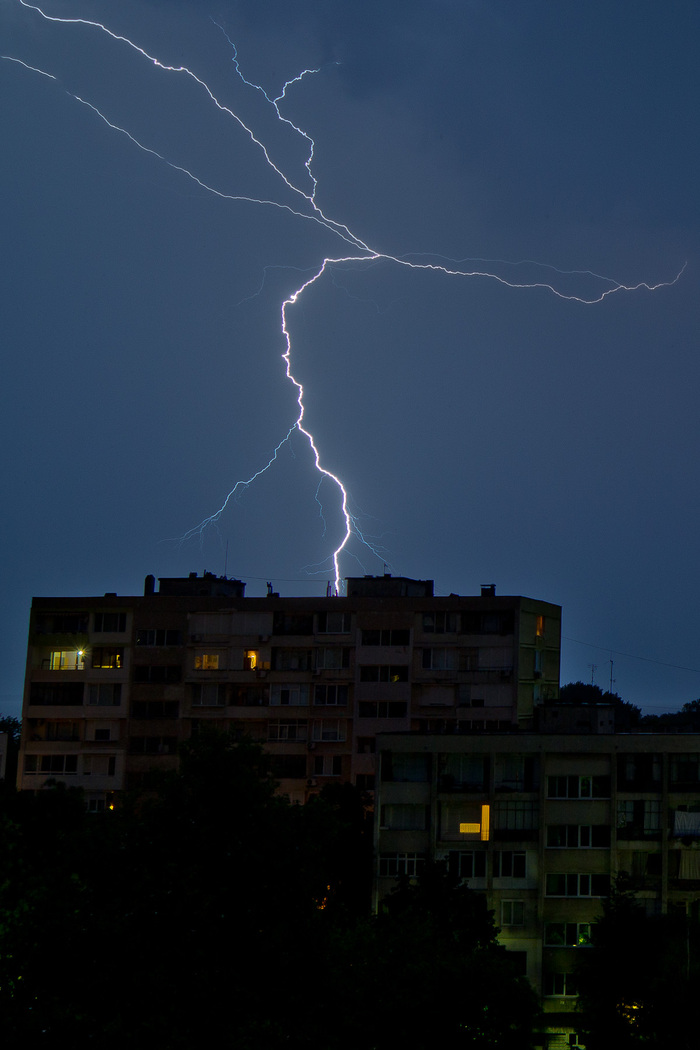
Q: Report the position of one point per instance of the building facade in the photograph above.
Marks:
(115, 683)
(541, 823)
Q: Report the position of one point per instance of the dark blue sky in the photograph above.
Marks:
(485, 433)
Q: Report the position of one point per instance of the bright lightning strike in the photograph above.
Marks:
(360, 253)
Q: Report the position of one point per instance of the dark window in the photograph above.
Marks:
(61, 623)
(105, 694)
(387, 636)
(467, 864)
(365, 781)
(57, 694)
(51, 764)
(292, 623)
(405, 767)
(292, 659)
(158, 636)
(509, 864)
(153, 745)
(334, 623)
(291, 767)
(154, 709)
(382, 709)
(250, 696)
(330, 695)
(158, 674)
(112, 622)
(384, 673)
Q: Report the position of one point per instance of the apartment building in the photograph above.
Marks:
(115, 683)
(541, 822)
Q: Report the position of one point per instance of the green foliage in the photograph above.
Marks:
(217, 912)
(637, 982)
(627, 716)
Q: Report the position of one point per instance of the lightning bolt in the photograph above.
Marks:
(360, 254)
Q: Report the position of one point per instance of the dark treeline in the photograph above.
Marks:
(216, 912)
(629, 716)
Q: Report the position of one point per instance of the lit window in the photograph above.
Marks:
(207, 662)
(107, 657)
(539, 629)
(250, 660)
(67, 660)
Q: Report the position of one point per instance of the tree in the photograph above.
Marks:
(637, 981)
(627, 716)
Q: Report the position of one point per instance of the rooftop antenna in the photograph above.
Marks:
(612, 680)
(226, 560)
(594, 668)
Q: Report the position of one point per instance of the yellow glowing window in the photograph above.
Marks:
(67, 660)
(539, 631)
(485, 823)
(469, 829)
(207, 662)
(482, 829)
(251, 660)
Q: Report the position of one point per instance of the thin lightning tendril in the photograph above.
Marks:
(367, 255)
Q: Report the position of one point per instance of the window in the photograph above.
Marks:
(330, 695)
(559, 984)
(405, 767)
(387, 636)
(578, 787)
(334, 623)
(56, 694)
(638, 818)
(328, 729)
(516, 816)
(158, 636)
(51, 765)
(287, 729)
(382, 709)
(576, 885)
(107, 657)
(404, 817)
(539, 627)
(441, 622)
(251, 660)
(153, 745)
(685, 770)
(208, 694)
(292, 659)
(105, 694)
(62, 731)
(567, 934)
(384, 673)
(578, 836)
(328, 765)
(61, 623)
(292, 623)
(441, 659)
(639, 772)
(103, 735)
(467, 864)
(288, 767)
(158, 674)
(289, 695)
(206, 662)
(332, 659)
(99, 765)
(154, 709)
(464, 820)
(365, 781)
(394, 865)
(516, 773)
(250, 695)
(512, 913)
(509, 864)
(110, 622)
(67, 660)
(463, 772)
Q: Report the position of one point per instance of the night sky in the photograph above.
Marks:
(485, 433)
